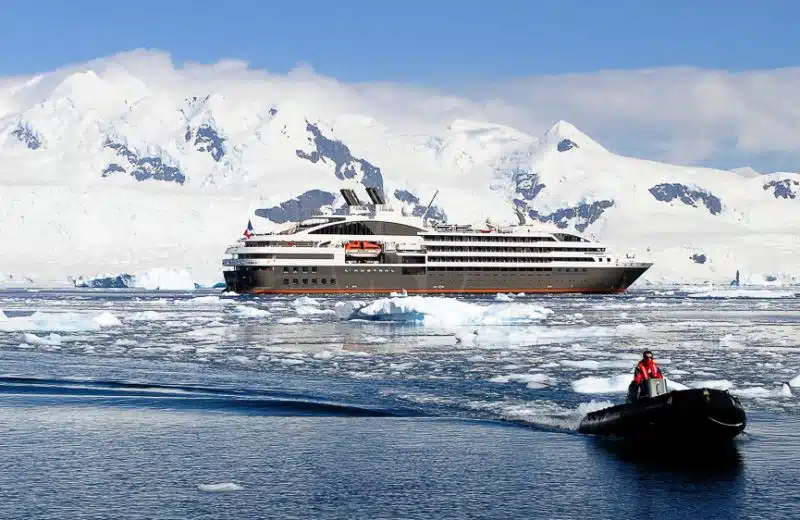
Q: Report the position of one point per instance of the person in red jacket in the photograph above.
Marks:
(645, 369)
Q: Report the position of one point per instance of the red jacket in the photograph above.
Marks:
(646, 369)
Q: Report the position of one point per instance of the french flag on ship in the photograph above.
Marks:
(249, 231)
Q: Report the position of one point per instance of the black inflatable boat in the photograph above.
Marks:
(702, 414)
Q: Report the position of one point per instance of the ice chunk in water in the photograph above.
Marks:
(33, 339)
(615, 384)
(533, 381)
(434, 310)
(743, 293)
(723, 384)
(246, 311)
(60, 322)
(222, 487)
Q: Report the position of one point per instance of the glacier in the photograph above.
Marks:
(108, 168)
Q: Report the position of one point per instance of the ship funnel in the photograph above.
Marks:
(375, 196)
(350, 197)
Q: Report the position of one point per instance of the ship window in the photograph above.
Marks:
(305, 281)
(324, 281)
(285, 281)
(305, 269)
(294, 281)
(294, 269)
(285, 269)
(313, 281)
(313, 269)
(333, 281)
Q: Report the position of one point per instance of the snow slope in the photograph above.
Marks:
(126, 164)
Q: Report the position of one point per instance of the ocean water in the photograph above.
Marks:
(124, 404)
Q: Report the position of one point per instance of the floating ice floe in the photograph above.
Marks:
(760, 391)
(613, 385)
(51, 340)
(59, 322)
(533, 381)
(251, 312)
(147, 316)
(590, 364)
(222, 487)
(305, 306)
(742, 293)
(544, 335)
(433, 310)
(205, 300)
(721, 384)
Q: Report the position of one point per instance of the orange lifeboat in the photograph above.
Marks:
(359, 249)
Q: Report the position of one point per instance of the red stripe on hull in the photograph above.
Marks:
(431, 291)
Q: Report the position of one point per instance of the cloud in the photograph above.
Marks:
(689, 114)
(678, 114)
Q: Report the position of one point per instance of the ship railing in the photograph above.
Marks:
(247, 261)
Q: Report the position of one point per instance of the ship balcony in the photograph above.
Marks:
(238, 262)
(512, 253)
(275, 249)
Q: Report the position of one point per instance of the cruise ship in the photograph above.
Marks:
(373, 248)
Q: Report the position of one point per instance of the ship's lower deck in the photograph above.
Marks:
(374, 278)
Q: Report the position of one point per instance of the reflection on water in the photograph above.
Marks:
(703, 461)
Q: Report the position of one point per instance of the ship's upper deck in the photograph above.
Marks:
(380, 219)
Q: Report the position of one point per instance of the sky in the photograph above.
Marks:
(503, 51)
(415, 41)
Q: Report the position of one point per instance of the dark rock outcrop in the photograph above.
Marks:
(299, 208)
(566, 144)
(27, 136)
(668, 192)
(784, 188)
(698, 258)
(581, 216)
(141, 168)
(435, 212)
(339, 154)
(207, 139)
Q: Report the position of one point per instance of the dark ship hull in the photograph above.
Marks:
(382, 279)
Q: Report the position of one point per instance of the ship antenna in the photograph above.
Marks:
(429, 205)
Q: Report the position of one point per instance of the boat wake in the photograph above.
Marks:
(183, 397)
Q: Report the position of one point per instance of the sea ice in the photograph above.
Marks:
(220, 488)
(435, 310)
(60, 322)
(246, 311)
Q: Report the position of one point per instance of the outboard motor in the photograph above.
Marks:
(648, 388)
(654, 387)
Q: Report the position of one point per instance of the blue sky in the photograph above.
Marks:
(422, 42)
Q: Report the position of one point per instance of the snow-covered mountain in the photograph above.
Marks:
(114, 166)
